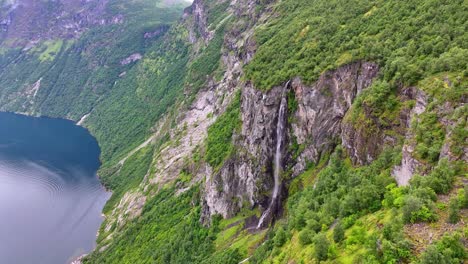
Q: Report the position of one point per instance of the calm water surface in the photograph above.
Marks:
(50, 197)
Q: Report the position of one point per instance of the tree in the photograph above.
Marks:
(432, 256)
(321, 247)
(454, 211)
(280, 237)
(412, 204)
(338, 233)
(305, 236)
(415, 209)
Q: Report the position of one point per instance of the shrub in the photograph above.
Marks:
(306, 236)
(432, 256)
(414, 210)
(440, 179)
(454, 211)
(219, 140)
(393, 196)
(280, 237)
(430, 135)
(450, 249)
(394, 252)
(393, 230)
(321, 247)
(338, 233)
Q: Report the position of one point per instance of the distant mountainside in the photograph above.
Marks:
(259, 131)
(66, 58)
(26, 22)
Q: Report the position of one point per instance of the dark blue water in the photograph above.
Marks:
(50, 197)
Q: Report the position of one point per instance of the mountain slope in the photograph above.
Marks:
(366, 110)
(47, 71)
(279, 132)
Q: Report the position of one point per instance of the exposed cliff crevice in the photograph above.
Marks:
(322, 108)
(410, 165)
(247, 178)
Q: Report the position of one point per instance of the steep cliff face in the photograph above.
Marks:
(322, 108)
(316, 121)
(316, 125)
(410, 165)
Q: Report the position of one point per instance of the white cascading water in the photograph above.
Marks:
(278, 157)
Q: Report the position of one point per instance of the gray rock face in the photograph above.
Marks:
(248, 172)
(409, 165)
(247, 177)
(132, 58)
(197, 10)
(322, 107)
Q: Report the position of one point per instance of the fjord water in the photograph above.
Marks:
(50, 197)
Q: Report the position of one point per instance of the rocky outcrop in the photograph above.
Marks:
(243, 178)
(129, 207)
(132, 58)
(322, 107)
(247, 177)
(410, 165)
(189, 134)
(198, 13)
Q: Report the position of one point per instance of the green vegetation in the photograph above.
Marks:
(206, 63)
(429, 137)
(340, 191)
(280, 237)
(377, 102)
(216, 12)
(454, 211)
(86, 75)
(357, 215)
(219, 141)
(338, 233)
(127, 177)
(148, 90)
(48, 50)
(410, 40)
(440, 180)
(321, 247)
(450, 249)
(168, 231)
(464, 199)
(335, 212)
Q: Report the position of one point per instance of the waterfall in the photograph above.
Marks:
(280, 129)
